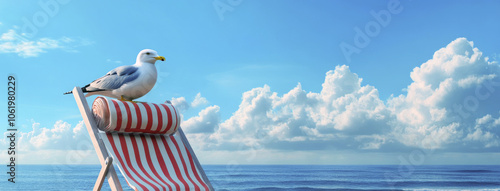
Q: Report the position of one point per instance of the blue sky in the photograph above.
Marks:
(234, 56)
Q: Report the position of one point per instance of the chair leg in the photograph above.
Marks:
(102, 174)
(99, 147)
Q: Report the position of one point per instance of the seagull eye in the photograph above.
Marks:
(148, 53)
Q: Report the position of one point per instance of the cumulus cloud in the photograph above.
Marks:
(449, 93)
(486, 131)
(206, 122)
(198, 101)
(451, 104)
(13, 42)
(62, 136)
(343, 113)
(60, 144)
(183, 105)
(180, 103)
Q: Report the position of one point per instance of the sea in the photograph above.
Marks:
(282, 177)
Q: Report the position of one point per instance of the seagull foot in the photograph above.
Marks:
(123, 99)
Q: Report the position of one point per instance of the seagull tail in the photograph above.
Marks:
(84, 90)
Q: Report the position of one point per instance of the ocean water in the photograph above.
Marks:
(282, 177)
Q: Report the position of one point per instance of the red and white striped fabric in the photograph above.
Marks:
(140, 138)
(155, 162)
(122, 116)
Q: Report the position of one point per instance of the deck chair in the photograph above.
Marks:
(145, 141)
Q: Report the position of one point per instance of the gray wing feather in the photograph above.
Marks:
(115, 78)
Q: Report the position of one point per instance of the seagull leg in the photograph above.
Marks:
(123, 99)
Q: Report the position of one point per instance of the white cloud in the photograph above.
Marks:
(343, 111)
(449, 93)
(12, 42)
(206, 122)
(180, 103)
(198, 101)
(60, 137)
(59, 144)
(486, 131)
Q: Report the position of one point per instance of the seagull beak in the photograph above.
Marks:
(160, 58)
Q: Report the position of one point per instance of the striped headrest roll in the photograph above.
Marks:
(113, 115)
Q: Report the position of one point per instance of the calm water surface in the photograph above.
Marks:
(282, 177)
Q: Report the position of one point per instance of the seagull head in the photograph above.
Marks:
(149, 56)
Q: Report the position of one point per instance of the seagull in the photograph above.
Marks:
(127, 83)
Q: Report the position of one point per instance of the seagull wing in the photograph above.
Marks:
(114, 79)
